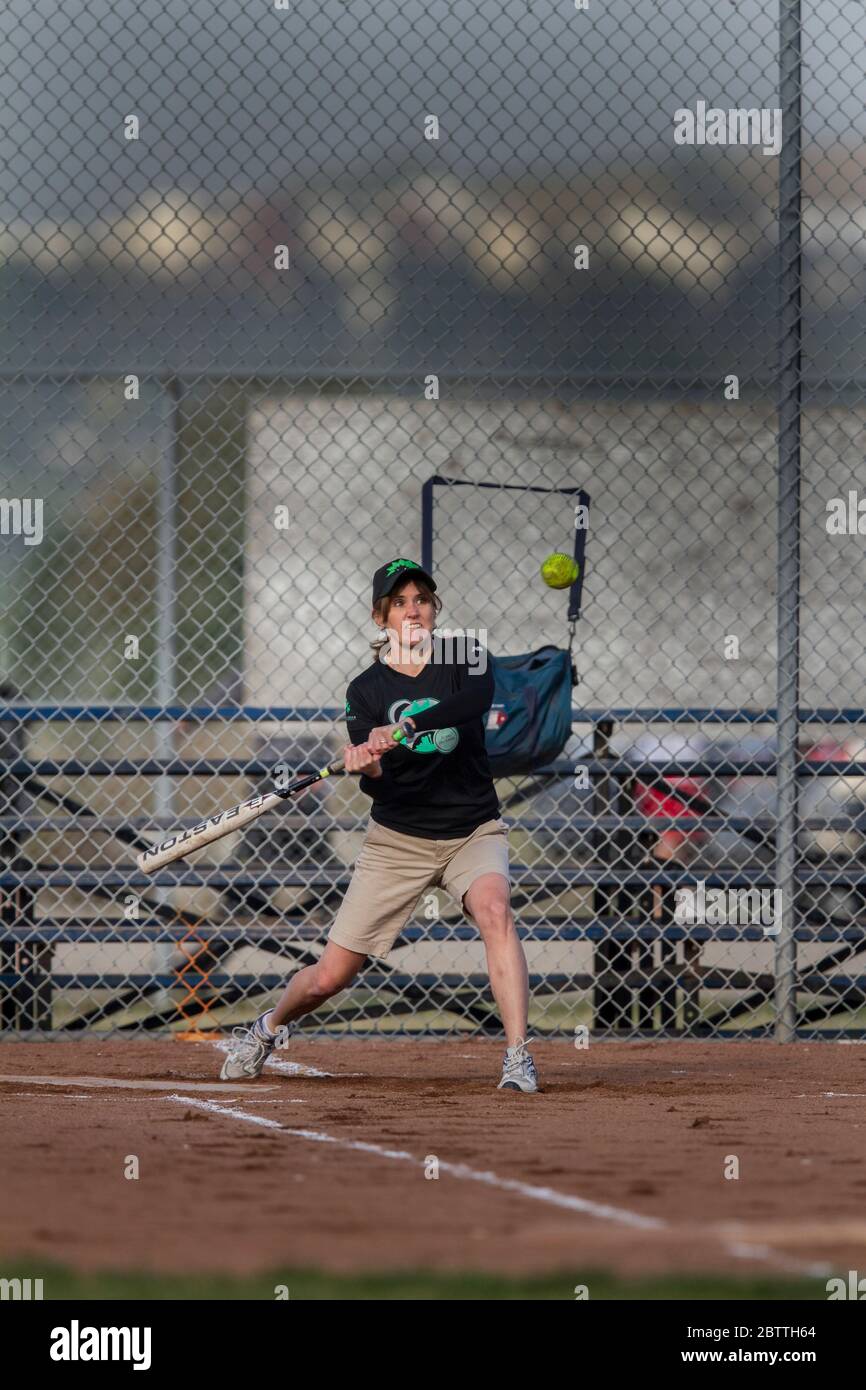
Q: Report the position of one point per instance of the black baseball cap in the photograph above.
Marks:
(385, 578)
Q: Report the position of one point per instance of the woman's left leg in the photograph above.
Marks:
(488, 902)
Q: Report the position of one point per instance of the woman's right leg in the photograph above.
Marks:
(306, 990)
(390, 874)
(335, 970)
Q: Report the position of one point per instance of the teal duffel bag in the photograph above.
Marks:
(529, 721)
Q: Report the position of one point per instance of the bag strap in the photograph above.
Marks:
(574, 676)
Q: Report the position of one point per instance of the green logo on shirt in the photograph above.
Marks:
(434, 740)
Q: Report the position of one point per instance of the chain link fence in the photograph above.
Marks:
(259, 292)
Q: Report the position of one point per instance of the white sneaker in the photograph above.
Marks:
(251, 1049)
(518, 1069)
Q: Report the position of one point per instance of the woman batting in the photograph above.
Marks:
(434, 821)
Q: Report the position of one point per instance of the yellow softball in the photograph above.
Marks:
(559, 571)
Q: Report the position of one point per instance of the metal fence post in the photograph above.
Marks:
(166, 634)
(788, 516)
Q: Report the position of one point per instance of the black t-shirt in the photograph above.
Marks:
(442, 787)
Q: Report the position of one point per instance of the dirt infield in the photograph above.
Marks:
(618, 1165)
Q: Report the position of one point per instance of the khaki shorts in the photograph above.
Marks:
(393, 870)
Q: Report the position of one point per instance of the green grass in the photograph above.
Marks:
(62, 1283)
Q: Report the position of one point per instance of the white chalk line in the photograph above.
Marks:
(294, 1068)
(547, 1195)
(38, 1095)
(458, 1170)
(282, 1100)
(301, 1069)
(830, 1095)
(120, 1083)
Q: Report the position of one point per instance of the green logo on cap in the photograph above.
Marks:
(401, 565)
